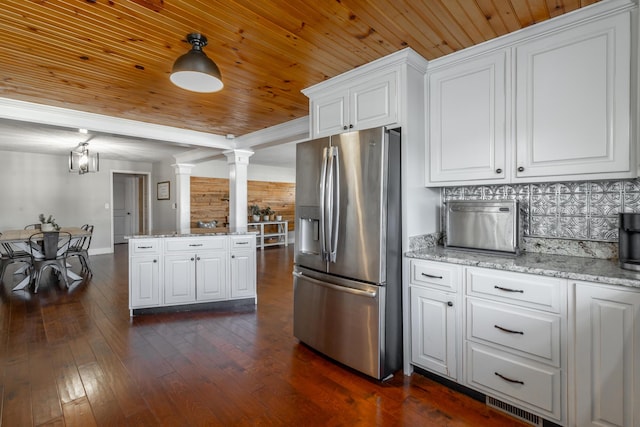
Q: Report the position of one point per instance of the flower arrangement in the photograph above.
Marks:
(48, 222)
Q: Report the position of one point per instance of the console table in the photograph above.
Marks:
(276, 233)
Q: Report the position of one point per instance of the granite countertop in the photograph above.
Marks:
(563, 266)
(195, 232)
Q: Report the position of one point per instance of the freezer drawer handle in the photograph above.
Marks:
(511, 331)
(431, 276)
(336, 287)
(509, 379)
(509, 290)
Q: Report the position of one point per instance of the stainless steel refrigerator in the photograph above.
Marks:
(347, 273)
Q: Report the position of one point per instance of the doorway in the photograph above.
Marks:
(130, 206)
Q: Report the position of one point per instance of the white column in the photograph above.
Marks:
(238, 161)
(183, 197)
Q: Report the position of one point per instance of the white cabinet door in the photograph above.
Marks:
(329, 113)
(433, 331)
(573, 102)
(243, 273)
(144, 283)
(607, 356)
(466, 121)
(211, 276)
(366, 105)
(374, 103)
(179, 279)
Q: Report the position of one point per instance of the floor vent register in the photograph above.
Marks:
(514, 411)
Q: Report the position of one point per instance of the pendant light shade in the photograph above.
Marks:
(81, 162)
(194, 70)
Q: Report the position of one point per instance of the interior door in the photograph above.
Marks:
(124, 207)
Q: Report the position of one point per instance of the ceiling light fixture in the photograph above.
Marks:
(194, 70)
(81, 162)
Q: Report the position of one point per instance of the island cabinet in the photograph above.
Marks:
(195, 269)
(375, 94)
(550, 102)
(243, 266)
(607, 356)
(186, 270)
(145, 262)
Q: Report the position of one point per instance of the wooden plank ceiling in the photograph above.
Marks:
(114, 57)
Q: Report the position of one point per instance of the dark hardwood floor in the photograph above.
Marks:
(76, 358)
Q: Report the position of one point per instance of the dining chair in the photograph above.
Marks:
(80, 248)
(10, 255)
(33, 226)
(49, 250)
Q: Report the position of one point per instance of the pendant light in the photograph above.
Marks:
(194, 70)
(81, 162)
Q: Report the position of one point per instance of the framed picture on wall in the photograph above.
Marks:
(164, 190)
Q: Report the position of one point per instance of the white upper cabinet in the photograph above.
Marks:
(381, 93)
(550, 102)
(466, 120)
(365, 105)
(573, 102)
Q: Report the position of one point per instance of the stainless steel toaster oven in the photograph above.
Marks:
(488, 225)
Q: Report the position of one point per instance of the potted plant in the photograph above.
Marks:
(48, 223)
(254, 211)
(266, 213)
(278, 217)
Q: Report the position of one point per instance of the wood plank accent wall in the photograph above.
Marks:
(209, 199)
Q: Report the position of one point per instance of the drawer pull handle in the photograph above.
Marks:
(509, 379)
(145, 247)
(242, 243)
(509, 290)
(195, 244)
(431, 276)
(508, 330)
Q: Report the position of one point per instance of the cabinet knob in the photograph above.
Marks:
(345, 127)
(233, 256)
(521, 169)
(155, 260)
(350, 126)
(450, 304)
(198, 259)
(192, 259)
(498, 170)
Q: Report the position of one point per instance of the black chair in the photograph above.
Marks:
(49, 250)
(80, 248)
(33, 226)
(11, 255)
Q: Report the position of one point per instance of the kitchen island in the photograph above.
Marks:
(541, 336)
(205, 269)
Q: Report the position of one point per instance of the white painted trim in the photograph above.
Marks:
(64, 117)
(293, 130)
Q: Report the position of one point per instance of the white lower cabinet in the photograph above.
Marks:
(607, 356)
(145, 260)
(188, 270)
(435, 316)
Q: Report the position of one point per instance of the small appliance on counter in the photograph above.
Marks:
(483, 225)
(629, 241)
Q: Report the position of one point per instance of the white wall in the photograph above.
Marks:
(164, 214)
(38, 183)
(219, 169)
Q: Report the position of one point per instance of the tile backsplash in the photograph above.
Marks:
(566, 210)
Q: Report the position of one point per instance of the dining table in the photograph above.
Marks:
(20, 240)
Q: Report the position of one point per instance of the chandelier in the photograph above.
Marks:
(81, 162)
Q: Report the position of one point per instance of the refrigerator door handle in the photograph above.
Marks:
(323, 188)
(335, 203)
(370, 294)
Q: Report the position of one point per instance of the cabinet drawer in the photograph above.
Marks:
(543, 293)
(521, 381)
(244, 242)
(144, 246)
(195, 244)
(532, 333)
(435, 275)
